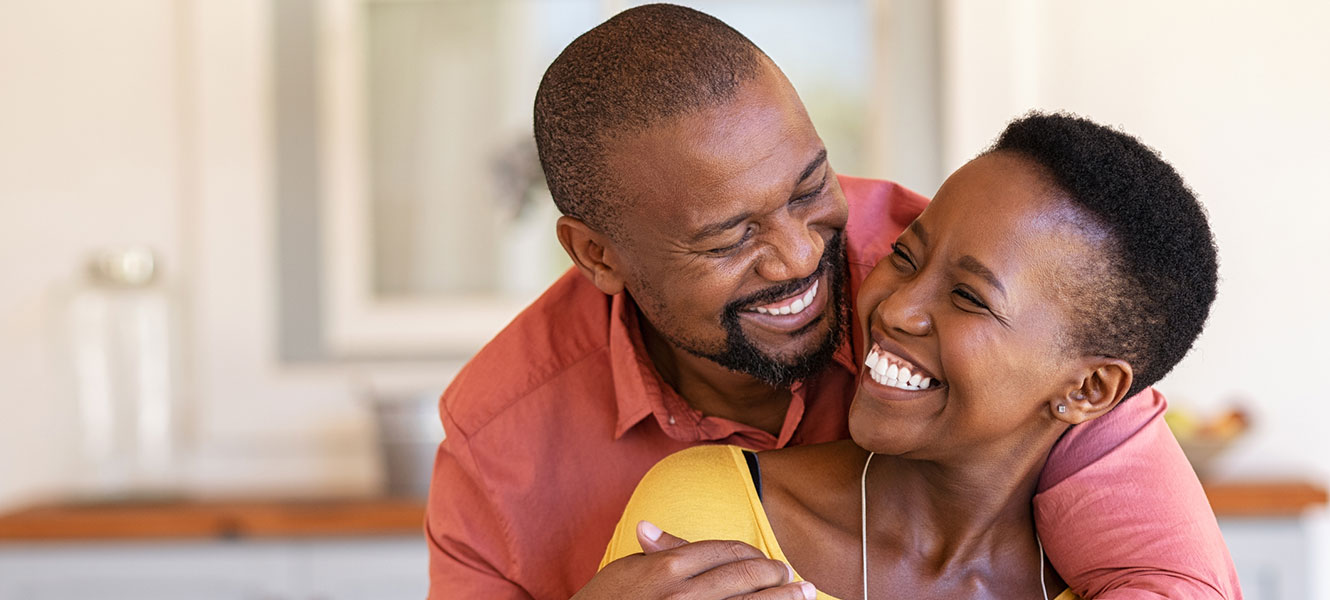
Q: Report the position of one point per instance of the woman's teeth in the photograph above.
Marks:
(893, 371)
(791, 308)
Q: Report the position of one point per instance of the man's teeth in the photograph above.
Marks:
(792, 308)
(892, 371)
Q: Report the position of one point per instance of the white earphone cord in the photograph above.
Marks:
(863, 519)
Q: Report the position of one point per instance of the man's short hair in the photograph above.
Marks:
(644, 65)
(1162, 266)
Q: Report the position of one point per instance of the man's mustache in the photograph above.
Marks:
(830, 252)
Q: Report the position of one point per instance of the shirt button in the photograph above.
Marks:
(671, 419)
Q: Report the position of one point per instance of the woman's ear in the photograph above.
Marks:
(1103, 386)
(593, 252)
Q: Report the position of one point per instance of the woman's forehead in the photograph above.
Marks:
(1000, 210)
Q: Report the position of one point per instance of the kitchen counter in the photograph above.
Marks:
(378, 517)
(338, 549)
(217, 520)
(1265, 499)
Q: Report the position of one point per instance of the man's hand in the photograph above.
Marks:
(708, 570)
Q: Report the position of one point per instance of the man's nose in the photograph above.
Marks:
(793, 252)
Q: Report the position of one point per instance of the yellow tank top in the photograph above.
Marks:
(703, 493)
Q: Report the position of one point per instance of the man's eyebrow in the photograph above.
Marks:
(972, 264)
(718, 228)
(813, 165)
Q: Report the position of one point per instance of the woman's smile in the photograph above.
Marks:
(893, 371)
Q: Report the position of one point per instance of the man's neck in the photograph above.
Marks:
(714, 390)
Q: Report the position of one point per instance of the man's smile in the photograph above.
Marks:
(788, 306)
(794, 313)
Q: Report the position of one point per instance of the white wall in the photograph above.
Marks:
(1236, 95)
(88, 137)
(149, 122)
(261, 426)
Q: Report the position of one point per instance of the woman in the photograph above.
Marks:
(1063, 270)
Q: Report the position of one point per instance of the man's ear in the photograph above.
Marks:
(592, 252)
(1104, 384)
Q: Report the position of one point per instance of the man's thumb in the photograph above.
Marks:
(653, 539)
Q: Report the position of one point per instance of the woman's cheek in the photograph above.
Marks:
(873, 291)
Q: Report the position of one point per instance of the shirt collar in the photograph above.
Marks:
(637, 387)
(846, 352)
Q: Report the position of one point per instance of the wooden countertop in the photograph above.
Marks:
(334, 518)
(223, 520)
(1266, 499)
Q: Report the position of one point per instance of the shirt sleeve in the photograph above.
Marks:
(468, 544)
(1122, 515)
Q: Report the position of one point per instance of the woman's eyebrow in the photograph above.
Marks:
(919, 232)
(972, 264)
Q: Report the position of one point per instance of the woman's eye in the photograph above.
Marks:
(900, 258)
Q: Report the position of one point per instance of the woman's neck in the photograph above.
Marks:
(964, 519)
(943, 528)
(956, 507)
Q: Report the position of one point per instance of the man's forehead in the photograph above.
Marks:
(719, 160)
(688, 203)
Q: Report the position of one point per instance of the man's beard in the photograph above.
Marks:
(741, 355)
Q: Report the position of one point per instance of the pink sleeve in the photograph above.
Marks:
(1122, 515)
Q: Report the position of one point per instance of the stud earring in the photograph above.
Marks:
(1062, 409)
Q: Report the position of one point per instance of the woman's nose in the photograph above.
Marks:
(793, 252)
(905, 311)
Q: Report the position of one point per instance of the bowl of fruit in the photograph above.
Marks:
(1203, 438)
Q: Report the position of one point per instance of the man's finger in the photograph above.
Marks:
(653, 539)
(697, 558)
(801, 590)
(742, 577)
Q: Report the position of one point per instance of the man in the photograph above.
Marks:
(716, 254)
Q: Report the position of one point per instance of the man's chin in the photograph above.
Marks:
(789, 348)
(781, 365)
(782, 358)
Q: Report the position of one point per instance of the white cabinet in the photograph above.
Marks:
(387, 568)
(365, 569)
(1274, 556)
